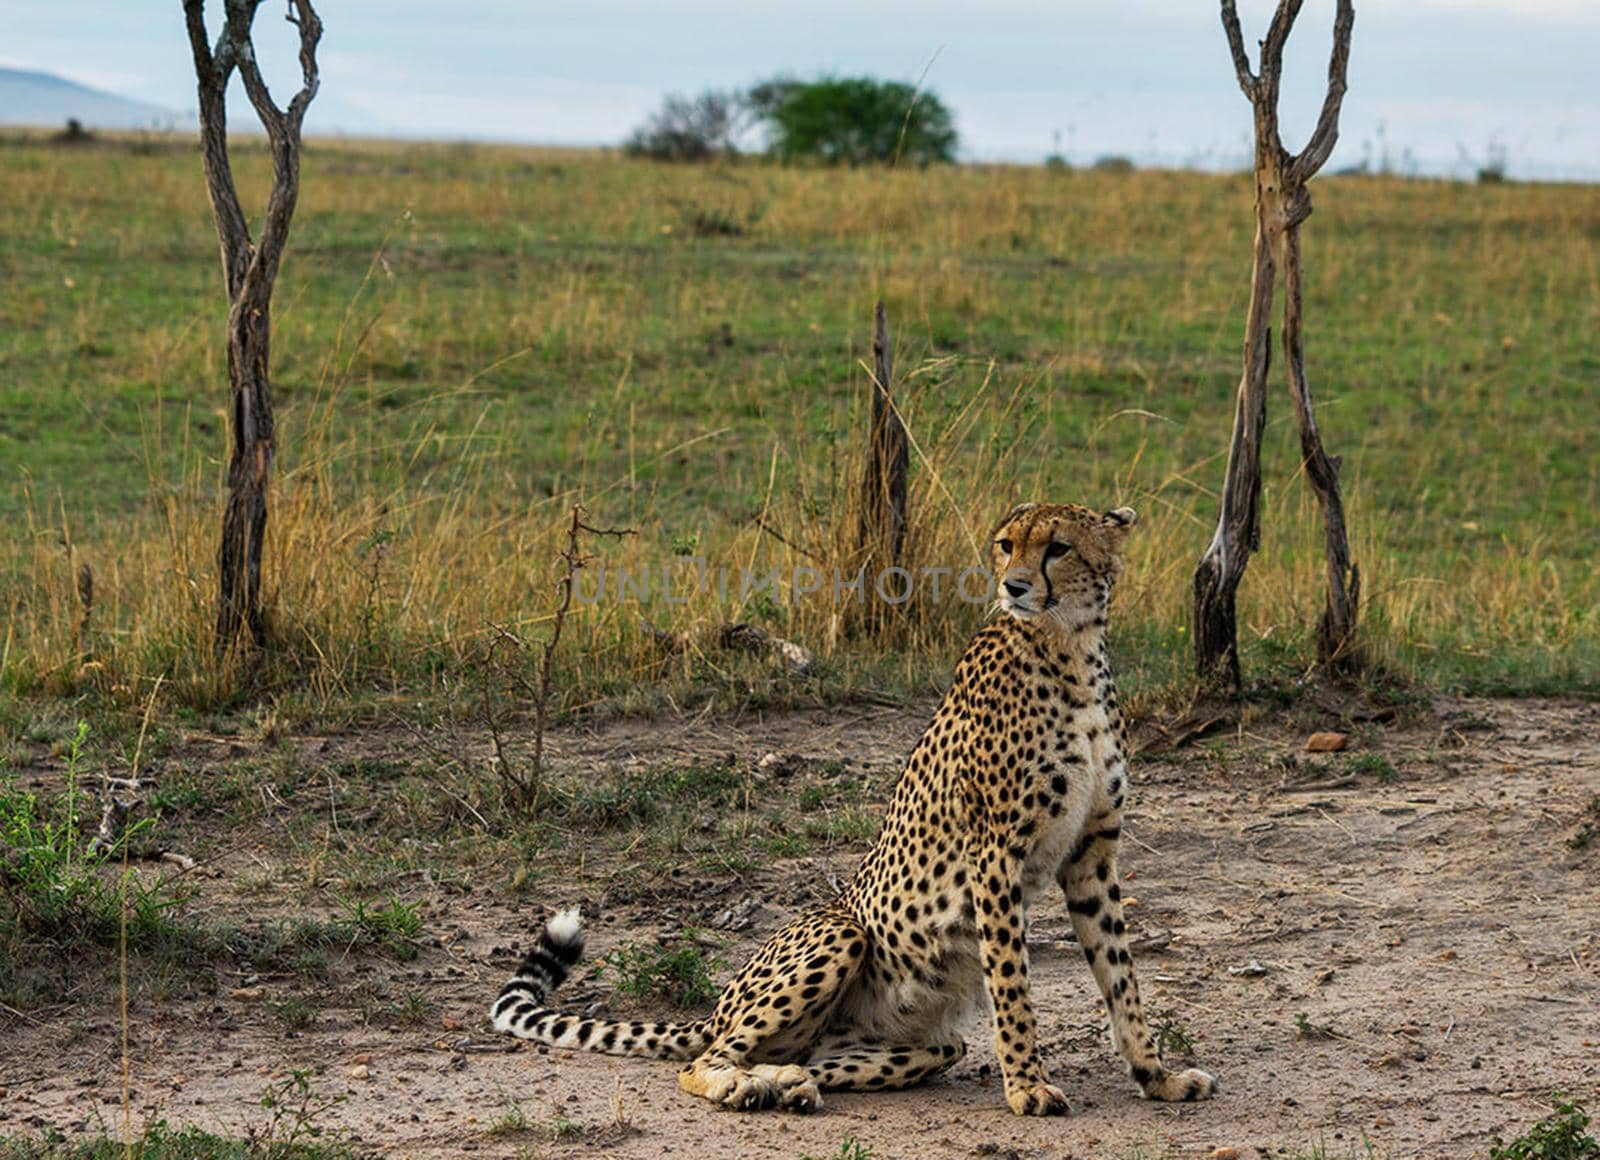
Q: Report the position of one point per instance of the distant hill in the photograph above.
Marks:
(36, 98)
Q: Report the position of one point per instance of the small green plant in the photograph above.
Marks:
(849, 1149)
(639, 797)
(679, 971)
(55, 882)
(294, 1013)
(787, 845)
(1172, 1037)
(394, 927)
(849, 827)
(511, 1121)
(1366, 1150)
(296, 1106)
(413, 1010)
(1305, 1029)
(564, 1127)
(1588, 825)
(1562, 1135)
(1372, 765)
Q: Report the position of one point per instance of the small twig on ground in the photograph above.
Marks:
(785, 540)
(1320, 786)
(23, 1015)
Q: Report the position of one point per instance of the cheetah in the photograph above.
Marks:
(1017, 782)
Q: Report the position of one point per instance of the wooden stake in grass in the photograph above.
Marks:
(883, 483)
(1282, 204)
(86, 606)
(249, 270)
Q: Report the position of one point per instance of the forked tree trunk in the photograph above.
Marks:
(1282, 202)
(1336, 628)
(249, 270)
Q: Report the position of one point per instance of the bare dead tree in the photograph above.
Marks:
(249, 269)
(1282, 203)
(882, 534)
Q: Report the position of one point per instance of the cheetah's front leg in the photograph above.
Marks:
(998, 899)
(1094, 899)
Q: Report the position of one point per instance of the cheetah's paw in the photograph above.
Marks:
(802, 1097)
(739, 1090)
(1040, 1099)
(1179, 1086)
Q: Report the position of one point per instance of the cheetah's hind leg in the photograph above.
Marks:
(770, 1015)
(848, 1063)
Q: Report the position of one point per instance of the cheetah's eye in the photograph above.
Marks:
(1004, 546)
(1056, 550)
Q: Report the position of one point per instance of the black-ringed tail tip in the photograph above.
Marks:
(542, 970)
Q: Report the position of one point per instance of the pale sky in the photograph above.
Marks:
(1435, 85)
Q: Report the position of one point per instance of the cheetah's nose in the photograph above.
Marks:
(1018, 591)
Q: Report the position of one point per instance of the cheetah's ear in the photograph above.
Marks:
(1020, 509)
(1122, 517)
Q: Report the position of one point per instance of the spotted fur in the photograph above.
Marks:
(1017, 783)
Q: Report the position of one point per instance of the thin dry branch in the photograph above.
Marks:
(1241, 59)
(1326, 134)
(213, 68)
(1272, 44)
(283, 129)
(573, 561)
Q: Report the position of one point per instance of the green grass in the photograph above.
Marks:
(64, 894)
(849, 1149)
(470, 339)
(1374, 765)
(290, 1131)
(678, 971)
(161, 1141)
(1562, 1135)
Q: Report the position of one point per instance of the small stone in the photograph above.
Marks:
(1224, 1154)
(1325, 742)
(360, 1071)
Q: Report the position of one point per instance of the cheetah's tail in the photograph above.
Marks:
(519, 1009)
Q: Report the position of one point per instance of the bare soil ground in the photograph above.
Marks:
(1399, 943)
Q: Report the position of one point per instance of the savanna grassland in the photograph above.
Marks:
(289, 950)
(469, 340)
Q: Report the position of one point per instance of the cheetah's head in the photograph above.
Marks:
(1058, 560)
